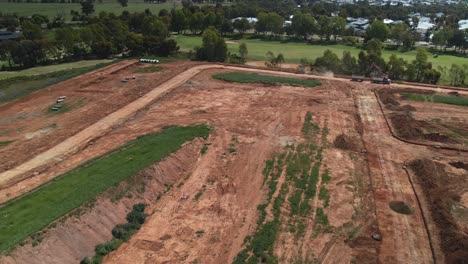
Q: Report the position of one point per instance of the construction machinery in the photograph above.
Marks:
(378, 76)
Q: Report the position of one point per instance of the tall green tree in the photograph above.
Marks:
(178, 20)
(420, 63)
(325, 27)
(32, 31)
(378, 30)
(242, 25)
(396, 67)
(338, 26)
(243, 51)
(303, 25)
(87, 7)
(349, 63)
(123, 3)
(213, 46)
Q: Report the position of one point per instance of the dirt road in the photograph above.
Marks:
(405, 238)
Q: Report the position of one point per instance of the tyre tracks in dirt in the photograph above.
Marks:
(405, 238)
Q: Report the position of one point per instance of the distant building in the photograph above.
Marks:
(8, 35)
(251, 20)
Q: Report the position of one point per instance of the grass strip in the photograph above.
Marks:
(265, 79)
(30, 213)
(16, 87)
(453, 100)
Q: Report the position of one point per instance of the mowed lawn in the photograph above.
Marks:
(53, 9)
(294, 52)
(30, 213)
(51, 68)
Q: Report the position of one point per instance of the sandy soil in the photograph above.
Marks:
(262, 119)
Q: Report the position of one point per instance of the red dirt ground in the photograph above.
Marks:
(264, 119)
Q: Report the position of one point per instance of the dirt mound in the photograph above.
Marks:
(441, 191)
(459, 165)
(409, 128)
(345, 142)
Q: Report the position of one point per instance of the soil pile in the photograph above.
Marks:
(441, 191)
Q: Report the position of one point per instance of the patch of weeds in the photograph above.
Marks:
(120, 233)
(4, 143)
(200, 233)
(200, 193)
(321, 217)
(232, 150)
(204, 149)
(326, 176)
(180, 185)
(211, 181)
(324, 196)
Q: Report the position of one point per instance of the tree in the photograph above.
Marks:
(274, 61)
(87, 7)
(458, 74)
(325, 27)
(457, 39)
(439, 38)
(226, 26)
(102, 49)
(329, 61)
(178, 20)
(242, 25)
(378, 30)
(153, 26)
(123, 3)
(243, 51)
(196, 22)
(374, 47)
(303, 25)
(397, 33)
(396, 67)
(349, 63)
(135, 44)
(420, 63)
(66, 38)
(31, 31)
(338, 26)
(213, 47)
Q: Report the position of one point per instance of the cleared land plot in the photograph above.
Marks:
(28, 214)
(426, 116)
(265, 79)
(23, 83)
(306, 200)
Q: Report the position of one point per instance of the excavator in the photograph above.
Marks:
(378, 76)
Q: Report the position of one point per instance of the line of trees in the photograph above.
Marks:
(101, 36)
(418, 70)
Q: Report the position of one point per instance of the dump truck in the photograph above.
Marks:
(381, 80)
(357, 78)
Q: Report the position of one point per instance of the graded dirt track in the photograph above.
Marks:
(263, 120)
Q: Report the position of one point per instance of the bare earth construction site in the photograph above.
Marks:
(341, 172)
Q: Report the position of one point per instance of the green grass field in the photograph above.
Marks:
(51, 68)
(15, 87)
(294, 51)
(52, 9)
(30, 213)
(266, 79)
(453, 100)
